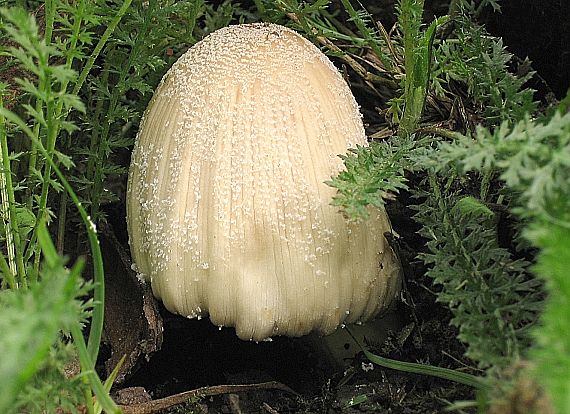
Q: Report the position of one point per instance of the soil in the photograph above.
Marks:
(197, 355)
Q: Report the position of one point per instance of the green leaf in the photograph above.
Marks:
(73, 101)
(471, 206)
(65, 160)
(62, 74)
(356, 400)
(26, 220)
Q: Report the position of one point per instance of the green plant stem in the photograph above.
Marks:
(50, 17)
(52, 128)
(98, 133)
(68, 64)
(53, 116)
(50, 10)
(33, 158)
(61, 221)
(53, 123)
(410, 20)
(82, 77)
(13, 242)
(417, 62)
(100, 45)
(88, 354)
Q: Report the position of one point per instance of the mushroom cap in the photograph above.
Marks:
(228, 214)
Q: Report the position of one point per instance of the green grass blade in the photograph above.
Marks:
(87, 365)
(444, 373)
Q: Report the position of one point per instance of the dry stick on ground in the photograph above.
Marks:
(155, 406)
(269, 409)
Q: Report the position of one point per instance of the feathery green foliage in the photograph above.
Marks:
(30, 323)
(119, 90)
(493, 299)
(494, 295)
(533, 159)
(480, 61)
(42, 61)
(372, 175)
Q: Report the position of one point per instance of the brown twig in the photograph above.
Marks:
(155, 406)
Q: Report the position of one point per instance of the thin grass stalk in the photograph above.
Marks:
(91, 377)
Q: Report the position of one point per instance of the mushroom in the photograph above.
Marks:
(228, 214)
